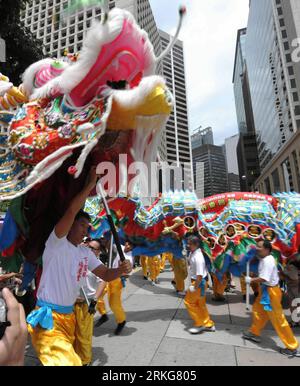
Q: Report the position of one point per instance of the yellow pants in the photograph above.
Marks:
(196, 306)
(83, 333)
(154, 267)
(115, 300)
(101, 304)
(180, 272)
(56, 347)
(219, 287)
(144, 264)
(255, 287)
(163, 261)
(166, 256)
(260, 317)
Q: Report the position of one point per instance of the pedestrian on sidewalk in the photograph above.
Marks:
(267, 306)
(195, 299)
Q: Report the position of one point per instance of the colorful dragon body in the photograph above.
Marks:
(77, 115)
(229, 233)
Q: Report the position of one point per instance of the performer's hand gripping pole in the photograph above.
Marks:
(248, 288)
(111, 223)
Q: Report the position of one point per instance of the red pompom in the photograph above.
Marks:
(182, 10)
(72, 170)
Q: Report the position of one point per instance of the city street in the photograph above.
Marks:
(156, 332)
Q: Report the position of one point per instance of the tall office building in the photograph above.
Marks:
(202, 137)
(214, 166)
(240, 81)
(249, 170)
(230, 151)
(177, 130)
(246, 150)
(274, 79)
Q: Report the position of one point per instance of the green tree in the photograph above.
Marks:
(22, 48)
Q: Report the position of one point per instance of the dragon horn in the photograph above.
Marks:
(182, 13)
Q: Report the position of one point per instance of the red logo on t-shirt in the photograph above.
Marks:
(82, 269)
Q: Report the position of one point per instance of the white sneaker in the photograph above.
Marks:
(196, 330)
(210, 329)
(152, 283)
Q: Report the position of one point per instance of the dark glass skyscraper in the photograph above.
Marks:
(247, 153)
(215, 171)
(273, 76)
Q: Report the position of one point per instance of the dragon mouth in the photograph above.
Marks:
(112, 52)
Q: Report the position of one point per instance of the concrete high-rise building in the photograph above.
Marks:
(202, 137)
(215, 172)
(41, 16)
(246, 149)
(273, 68)
(177, 131)
(248, 162)
(230, 153)
(178, 143)
(230, 150)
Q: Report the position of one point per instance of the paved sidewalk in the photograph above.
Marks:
(156, 332)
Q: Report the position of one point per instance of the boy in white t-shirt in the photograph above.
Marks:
(267, 305)
(195, 299)
(65, 266)
(93, 288)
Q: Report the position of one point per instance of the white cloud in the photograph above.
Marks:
(209, 35)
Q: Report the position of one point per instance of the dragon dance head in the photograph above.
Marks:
(78, 114)
(106, 103)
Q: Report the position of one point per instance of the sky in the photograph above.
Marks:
(209, 34)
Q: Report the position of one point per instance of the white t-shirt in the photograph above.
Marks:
(64, 270)
(197, 265)
(268, 271)
(128, 256)
(90, 285)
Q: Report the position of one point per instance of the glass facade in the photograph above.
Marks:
(269, 77)
(238, 81)
(215, 171)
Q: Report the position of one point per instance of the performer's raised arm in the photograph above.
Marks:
(63, 227)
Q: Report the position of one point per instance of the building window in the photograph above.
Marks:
(276, 181)
(287, 175)
(268, 186)
(297, 168)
